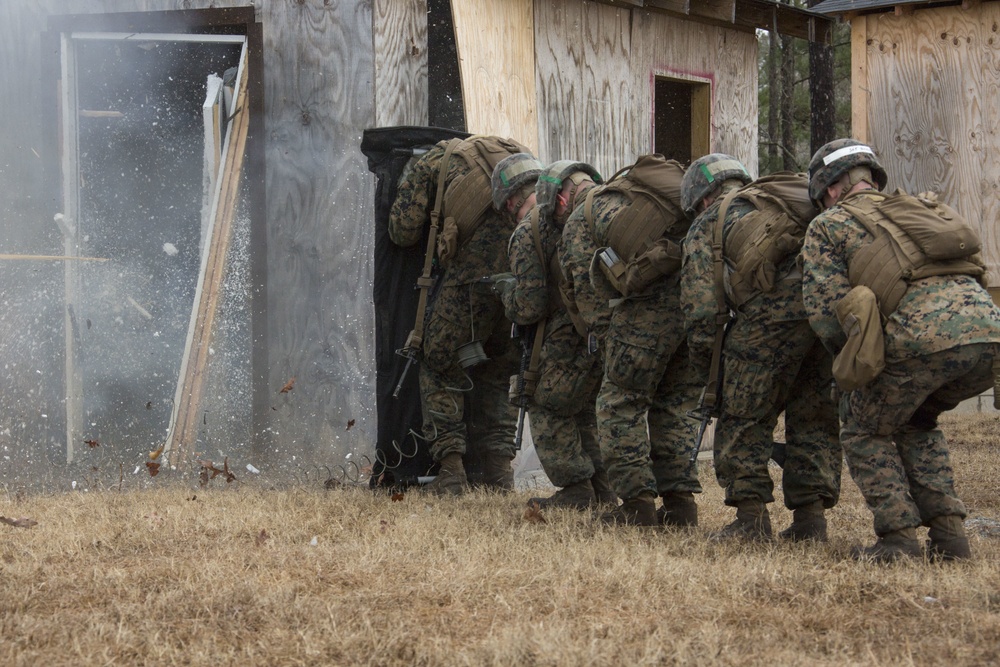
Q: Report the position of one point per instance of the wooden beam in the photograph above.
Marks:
(859, 79)
(55, 258)
(184, 425)
(679, 6)
(719, 10)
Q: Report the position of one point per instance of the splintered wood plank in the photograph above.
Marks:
(496, 58)
(193, 367)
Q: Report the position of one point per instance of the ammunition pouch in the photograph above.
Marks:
(663, 259)
(863, 356)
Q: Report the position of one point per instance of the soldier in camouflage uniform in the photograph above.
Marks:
(771, 359)
(940, 347)
(563, 423)
(648, 385)
(461, 314)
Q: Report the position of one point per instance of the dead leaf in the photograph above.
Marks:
(23, 522)
(203, 476)
(225, 469)
(533, 514)
(288, 386)
(154, 468)
(149, 405)
(397, 497)
(350, 423)
(91, 443)
(208, 467)
(156, 453)
(261, 537)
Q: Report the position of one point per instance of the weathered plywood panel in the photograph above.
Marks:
(933, 78)
(585, 96)
(596, 69)
(319, 96)
(496, 58)
(400, 34)
(727, 58)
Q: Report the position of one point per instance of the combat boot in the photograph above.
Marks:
(578, 496)
(891, 547)
(639, 511)
(602, 489)
(451, 479)
(678, 510)
(947, 539)
(497, 473)
(752, 524)
(808, 523)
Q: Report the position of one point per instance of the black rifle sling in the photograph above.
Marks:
(426, 280)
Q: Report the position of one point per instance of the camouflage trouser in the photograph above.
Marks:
(563, 421)
(769, 367)
(895, 452)
(648, 383)
(446, 389)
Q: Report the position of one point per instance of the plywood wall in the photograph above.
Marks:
(496, 57)
(400, 33)
(595, 70)
(926, 96)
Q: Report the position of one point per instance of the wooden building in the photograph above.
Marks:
(600, 81)
(925, 91)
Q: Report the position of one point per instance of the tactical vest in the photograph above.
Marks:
(653, 214)
(761, 239)
(468, 198)
(915, 237)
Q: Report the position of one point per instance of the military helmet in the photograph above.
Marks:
(550, 183)
(839, 156)
(705, 175)
(511, 174)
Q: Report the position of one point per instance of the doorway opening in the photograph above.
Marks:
(682, 114)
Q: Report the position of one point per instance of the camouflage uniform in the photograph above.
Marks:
(563, 424)
(460, 314)
(648, 383)
(772, 362)
(940, 344)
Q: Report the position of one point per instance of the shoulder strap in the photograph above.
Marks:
(710, 397)
(415, 340)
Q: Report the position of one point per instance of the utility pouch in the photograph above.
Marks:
(447, 241)
(863, 356)
(663, 259)
(514, 390)
(613, 268)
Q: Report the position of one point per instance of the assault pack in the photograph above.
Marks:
(462, 207)
(915, 237)
(762, 238)
(644, 240)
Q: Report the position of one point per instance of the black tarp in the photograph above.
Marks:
(400, 458)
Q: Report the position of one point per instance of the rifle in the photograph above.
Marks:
(520, 396)
(709, 405)
(414, 340)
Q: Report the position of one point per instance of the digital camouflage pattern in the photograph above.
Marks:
(773, 362)
(648, 385)
(896, 454)
(939, 347)
(563, 423)
(589, 296)
(458, 315)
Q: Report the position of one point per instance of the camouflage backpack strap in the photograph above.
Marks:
(426, 280)
(710, 395)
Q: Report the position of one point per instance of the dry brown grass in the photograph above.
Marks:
(249, 576)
